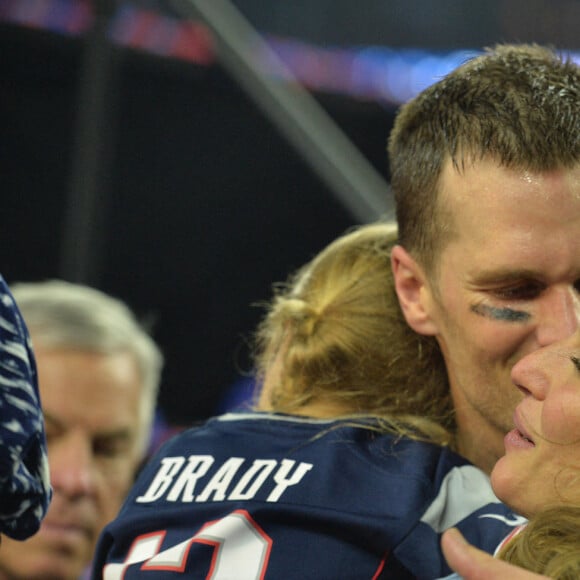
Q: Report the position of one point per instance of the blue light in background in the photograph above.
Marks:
(375, 73)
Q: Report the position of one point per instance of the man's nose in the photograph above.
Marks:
(559, 315)
(71, 465)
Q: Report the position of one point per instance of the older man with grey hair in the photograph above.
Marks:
(99, 374)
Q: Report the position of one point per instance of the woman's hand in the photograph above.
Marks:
(474, 564)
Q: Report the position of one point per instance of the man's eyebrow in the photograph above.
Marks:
(121, 432)
(576, 361)
(504, 275)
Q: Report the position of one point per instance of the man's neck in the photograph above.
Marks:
(480, 447)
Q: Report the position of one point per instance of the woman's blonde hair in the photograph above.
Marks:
(549, 544)
(336, 331)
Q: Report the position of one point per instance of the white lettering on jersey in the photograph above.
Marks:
(219, 483)
(196, 468)
(177, 479)
(259, 472)
(281, 474)
(163, 479)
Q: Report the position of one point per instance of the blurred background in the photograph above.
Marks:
(167, 153)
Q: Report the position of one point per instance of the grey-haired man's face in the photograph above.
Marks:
(92, 406)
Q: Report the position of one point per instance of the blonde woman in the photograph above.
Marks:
(343, 469)
(539, 475)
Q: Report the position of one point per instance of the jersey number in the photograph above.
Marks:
(241, 550)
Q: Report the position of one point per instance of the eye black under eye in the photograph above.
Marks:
(576, 361)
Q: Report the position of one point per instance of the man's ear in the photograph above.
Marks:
(413, 292)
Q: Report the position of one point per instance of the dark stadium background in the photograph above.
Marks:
(202, 203)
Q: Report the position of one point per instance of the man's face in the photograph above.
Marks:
(92, 411)
(507, 284)
(541, 465)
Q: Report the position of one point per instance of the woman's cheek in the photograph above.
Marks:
(561, 418)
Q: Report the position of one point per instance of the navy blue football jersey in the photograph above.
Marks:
(264, 496)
